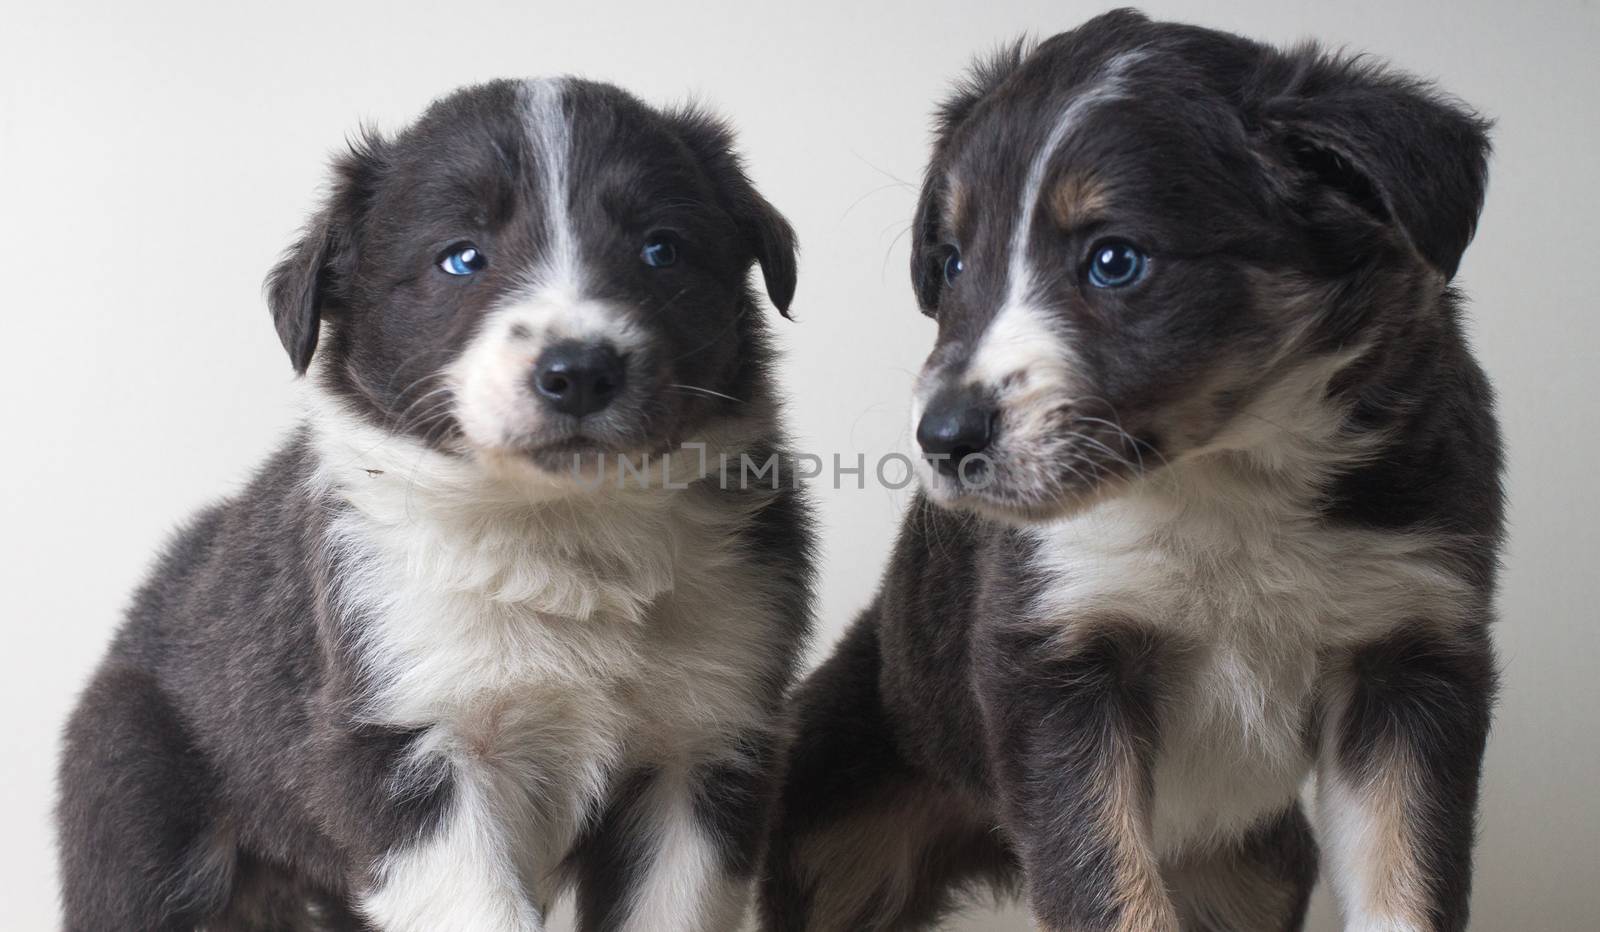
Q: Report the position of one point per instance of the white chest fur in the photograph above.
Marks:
(543, 646)
(1256, 590)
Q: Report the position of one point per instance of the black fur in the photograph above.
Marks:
(853, 757)
(222, 768)
(607, 866)
(1271, 872)
(1294, 204)
(1429, 698)
(1054, 719)
(214, 733)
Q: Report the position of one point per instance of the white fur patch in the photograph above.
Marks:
(462, 879)
(544, 642)
(1224, 549)
(1025, 360)
(551, 136)
(1025, 356)
(493, 400)
(685, 887)
(1349, 836)
(1020, 280)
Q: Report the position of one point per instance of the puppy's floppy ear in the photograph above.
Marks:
(312, 279)
(768, 238)
(297, 289)
(1391, 145)
(773, 241)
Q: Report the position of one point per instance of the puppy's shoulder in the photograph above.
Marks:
(238, 548)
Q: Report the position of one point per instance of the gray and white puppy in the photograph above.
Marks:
(425, 672)
(1217, 507)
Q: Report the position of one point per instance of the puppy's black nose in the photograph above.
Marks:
(957, 424)
(579, 378)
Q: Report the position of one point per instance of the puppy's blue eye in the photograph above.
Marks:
(463, 260)
(953, 266)
(1116, 263)
(659, 252)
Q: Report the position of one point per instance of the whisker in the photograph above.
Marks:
(705, 391)
(720, 334)
(1115, 456)
(398, 421)
(883, 271)
(878, 190)
(1132, 441)
(883, 171)
(670, 301)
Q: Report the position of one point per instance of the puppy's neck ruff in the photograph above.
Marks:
(502, 531)
(1270, 465)
(1234, 534)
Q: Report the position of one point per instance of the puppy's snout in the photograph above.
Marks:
(579, 378)
(957, 423)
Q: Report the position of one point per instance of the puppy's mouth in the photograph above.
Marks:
(628, 442)
(1039, 473)
(516, 426)
(576, 453)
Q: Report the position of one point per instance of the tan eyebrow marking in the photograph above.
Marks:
(1109, 86)
(1078, 199)
(956, 204)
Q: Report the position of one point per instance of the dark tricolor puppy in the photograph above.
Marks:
(1229, 516)
(424, 672)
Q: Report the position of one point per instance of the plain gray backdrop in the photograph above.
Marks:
(155, 157)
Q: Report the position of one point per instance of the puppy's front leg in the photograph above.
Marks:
(1071, 722)
(1405, 725)
(676, 849)
(459, 876)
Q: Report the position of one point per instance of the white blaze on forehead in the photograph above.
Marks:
(1019, 279)
(551, 137)
(1024, 349)
(1026, 339)
(550, 303)
(489, 380)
